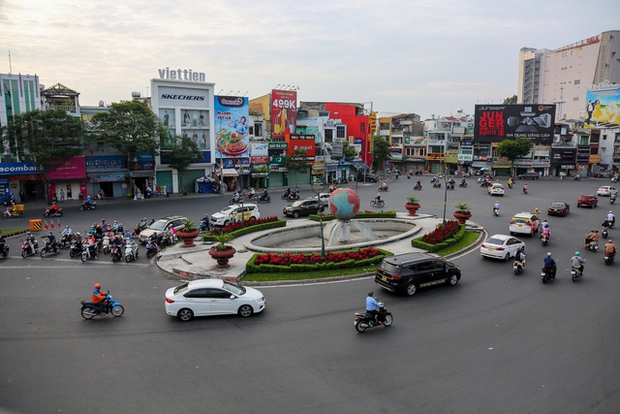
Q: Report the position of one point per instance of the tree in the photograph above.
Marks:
(184, 153)
(514, 148)
(297, 162)
(511, 100)
(130, 127)
(380, 152)
(47, 138)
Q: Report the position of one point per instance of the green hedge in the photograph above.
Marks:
(249, 229)
(431, 248)
(250, 267)
(362, 215)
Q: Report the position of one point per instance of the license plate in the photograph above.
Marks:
(384, 278)
(519, 225)
(490, 249)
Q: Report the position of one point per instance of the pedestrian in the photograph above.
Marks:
(12, 198)
(22, 196)
(62, 195)
(167, 191)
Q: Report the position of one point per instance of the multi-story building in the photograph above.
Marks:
(449, 142)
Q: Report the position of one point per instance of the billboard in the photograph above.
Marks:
(602, 106)
(231, 127)
(283, 113)
(304, 142)
(497, 122)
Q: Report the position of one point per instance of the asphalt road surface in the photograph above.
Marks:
(495, 343)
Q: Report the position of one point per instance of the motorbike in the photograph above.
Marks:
(4, 253)
(204, 226)
(141, 226)
(86, 253)
(236, 199)
(365, 320)
(52, 213)
(612, 199)
(65, 240)
(608, 258)
(417, 186)
(151, 249)
(377, 203)
(17, 210)
(115, 253)
(47, 247)
(75, 248)
(463, 184)
(609, 224)
(524, 190)
(592, 246)
(437, 184)
(383, 187)
(26, 251)
(89, 310)
(510, 184)
(166, 240)
(544, 238)
(547, 274)
(517, 266)
(576, 272)
(251, 195)
(450, 185)
(105, 244)
(605, 232)
(131, 251)
(495, 211)
(264, 198)
(86, 206)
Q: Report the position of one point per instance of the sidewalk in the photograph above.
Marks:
(195, 263)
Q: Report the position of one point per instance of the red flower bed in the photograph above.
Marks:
(288, 259)
(241, 225)
(440, 234)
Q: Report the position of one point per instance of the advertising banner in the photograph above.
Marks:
(602, 106)
(283, 113)
(231, 123)
(583, 154)
(73, 168)
(18, 168)
(304, 142)
(494, 123)
(182, 97)
(563, 156)
(105, 163)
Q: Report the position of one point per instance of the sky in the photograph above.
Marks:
(425, 56)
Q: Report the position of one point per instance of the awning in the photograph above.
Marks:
(479, 164)
(229, 172)
(100, 178)
(142, 174)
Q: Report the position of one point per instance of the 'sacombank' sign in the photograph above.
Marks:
(18, 168)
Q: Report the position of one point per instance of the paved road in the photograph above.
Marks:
(494, 343)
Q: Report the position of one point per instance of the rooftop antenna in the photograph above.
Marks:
(246, 92)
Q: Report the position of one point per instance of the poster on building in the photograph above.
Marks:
(602, 106)
(494, 123)
(283, 113)
(231, 127)
(302, 142)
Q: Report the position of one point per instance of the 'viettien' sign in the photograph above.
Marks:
(182, 74)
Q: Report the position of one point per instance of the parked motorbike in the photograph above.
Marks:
(547, 274)
(417, 186)
(56, 213)
(236, 199)
(576, 273)
(544, 238)
(75, 249)
(89, 310)
(47, 247)
(27, 251)
(377, 203)
(264, 198)
(365, 320)
(495, 211)
(131, 251)
(86, 206)
(115, 253)
(4, 253)
(608, 258)
(517, 266)
(87, 253)
(151, 249)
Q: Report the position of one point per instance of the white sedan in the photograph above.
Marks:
(496, 189)
(212, 297)
(606, 190)
(501, 246)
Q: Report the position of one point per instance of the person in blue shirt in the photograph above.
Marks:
(550, 263)
(373, 307)
(51, 239)
(496, 205)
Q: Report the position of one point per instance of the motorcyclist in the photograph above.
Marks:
(525, 188)
(92, 245)
(418, 184)
(374, 308)
(383, 185)
(116, 243)
(142, 225)
(520, 256)
(98, 297)
(590, 238)
(252, 193)
(66, 232)
(537, 212)
(78, 238)
(32, 241)
(610, 249)
(577, 262)
(152, 239)
(463, 182)
(264, 195)
(546, 229)
(294, 193)
(545, 225)
(611, 218)
(236, 196)
(550, 265)
(287, 192)
(496, 205)
(451, 182)
(53, 208)
(510, 182)
(51, 239)
(88, 202)
(115, 226)
(378, 199)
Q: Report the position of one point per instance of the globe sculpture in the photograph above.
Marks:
(344, 203)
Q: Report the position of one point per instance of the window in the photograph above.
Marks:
(258, 129)
(340, 131)
(218, 294)
(329, 135)
(197, 293)
(424, 266)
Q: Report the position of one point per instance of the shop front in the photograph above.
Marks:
(68, 179)
(502, 167)
(107, 175)
(21, 176)
(563, 162)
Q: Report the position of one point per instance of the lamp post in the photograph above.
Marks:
(445, 196)
(318, 188)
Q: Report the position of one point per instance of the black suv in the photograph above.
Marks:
(406, 273)
(370, 178)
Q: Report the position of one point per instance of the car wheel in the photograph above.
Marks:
(388, 320)
(453, 280)
(507, 257)
(411, 289)
(185, 315)
(296, 214)
(245, 311)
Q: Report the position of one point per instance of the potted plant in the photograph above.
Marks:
(412, 205)
(222, 252)
(462, 212)
(188, 233)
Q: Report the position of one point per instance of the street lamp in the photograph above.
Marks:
(318, 187)
(445, 196)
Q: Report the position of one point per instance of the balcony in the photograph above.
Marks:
(616, 157)
(69, 108)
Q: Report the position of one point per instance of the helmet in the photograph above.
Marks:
(97, 285)
(371, 293)
(67, 226)
(611, 211)
(576, 253)
(596, 231)
(545, 220)
(78, 233)
(50, 233)
(592, 230)
(549, 254)
(610, 241)
(115, 221)
(28, 232)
